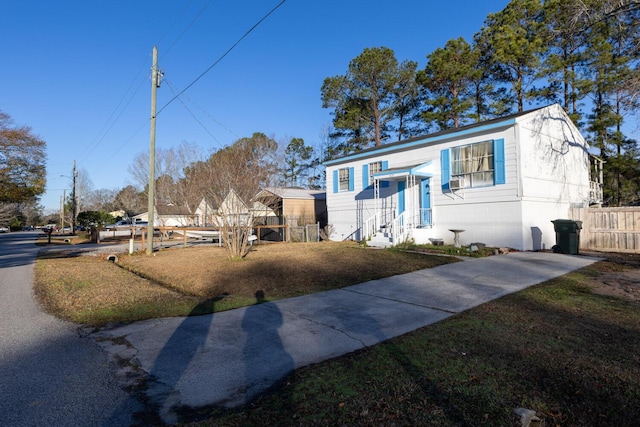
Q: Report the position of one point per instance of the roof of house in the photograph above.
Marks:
(292, 193)
(435, 137)
(172, 210)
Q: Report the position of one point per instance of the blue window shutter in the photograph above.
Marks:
(385, 166)
(365, 176)
(445, 167)
(351, 179)
(499, 174)
(335, 181)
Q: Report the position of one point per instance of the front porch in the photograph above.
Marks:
(393, 223)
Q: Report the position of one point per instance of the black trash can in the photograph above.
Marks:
(567, 236)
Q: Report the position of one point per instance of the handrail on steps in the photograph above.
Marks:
(398, 228)
(371, 225)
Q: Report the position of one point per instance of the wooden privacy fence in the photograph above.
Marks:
(609, 229)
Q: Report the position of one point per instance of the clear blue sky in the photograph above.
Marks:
(78, 72)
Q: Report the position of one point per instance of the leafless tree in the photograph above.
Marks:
(233, 176)
(7, 213)
(131, 200)
(171, 166)
(101, 199)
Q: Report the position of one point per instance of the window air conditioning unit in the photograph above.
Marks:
(456, 184)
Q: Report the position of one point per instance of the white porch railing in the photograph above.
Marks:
(399, 227)
(371, 225)
(595, 192)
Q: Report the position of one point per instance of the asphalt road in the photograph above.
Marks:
(49, 374)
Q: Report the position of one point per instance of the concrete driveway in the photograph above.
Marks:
(228, 358)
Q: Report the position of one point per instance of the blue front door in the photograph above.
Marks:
(425, 202)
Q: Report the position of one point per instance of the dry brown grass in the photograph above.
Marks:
(175, 281)
(93, 291)
(279, 270)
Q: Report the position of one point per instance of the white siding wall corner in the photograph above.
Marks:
(538, 232)
(555, 160)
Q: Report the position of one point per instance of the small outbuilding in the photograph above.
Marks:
(297, 206)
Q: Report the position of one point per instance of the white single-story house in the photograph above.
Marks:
(499, 182)
(169, 216)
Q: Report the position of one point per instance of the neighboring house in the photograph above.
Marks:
(169, 216)
(501, 181)
(299, 206)
(204, 214)
(232, 212)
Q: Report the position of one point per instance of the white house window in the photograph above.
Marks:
(343, 179)
(374, 168)
(473, 165)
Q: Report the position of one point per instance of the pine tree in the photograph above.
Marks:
(448, 81)
(512, 40)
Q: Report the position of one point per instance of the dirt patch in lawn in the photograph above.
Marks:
(622, 277)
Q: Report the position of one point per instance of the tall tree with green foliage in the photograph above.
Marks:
(448, 80)
(297, 159)
(405, 96)
(22, 163)
(366, 99)
(564, 57)
(513, 40)
(612, 64)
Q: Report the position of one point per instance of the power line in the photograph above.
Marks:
(206, 113)
(108, 125)
(223, 55)
(97, 141)
(114, 152)
(186, 29)
(173, 90)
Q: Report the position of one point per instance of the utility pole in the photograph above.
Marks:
(74, 201)
(155, 84)
(64, 196)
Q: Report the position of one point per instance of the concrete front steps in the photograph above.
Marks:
(381, 240)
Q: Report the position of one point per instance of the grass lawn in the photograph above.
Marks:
(567, 348)
(173, 282)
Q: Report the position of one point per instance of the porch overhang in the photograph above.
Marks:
(423, 170)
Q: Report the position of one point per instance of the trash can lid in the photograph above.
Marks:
(567, 222)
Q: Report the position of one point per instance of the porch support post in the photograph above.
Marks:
(376, 195)
(411, 183)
